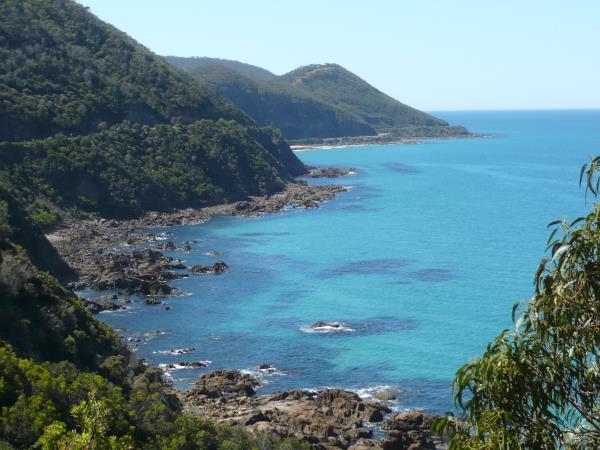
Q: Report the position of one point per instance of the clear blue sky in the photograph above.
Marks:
(431, 54)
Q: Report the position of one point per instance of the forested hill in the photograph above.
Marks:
(248, 70)
(297, 113)
(338, 86)
(64, 70)
(316, 101)
(91, 121)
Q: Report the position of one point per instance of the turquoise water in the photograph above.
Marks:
(423, 258)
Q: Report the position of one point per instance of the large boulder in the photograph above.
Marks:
(224, 383)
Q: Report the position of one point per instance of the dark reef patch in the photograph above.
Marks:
(264, 234)
(380, 325)
(381, 266)
(432, 275)
(401, 168)
(355, 207)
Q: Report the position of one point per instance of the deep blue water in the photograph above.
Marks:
(423, 258)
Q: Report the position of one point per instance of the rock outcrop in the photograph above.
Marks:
(327, 419)
(104, 303)
(217, 268)
(145, 273)
(329, 172)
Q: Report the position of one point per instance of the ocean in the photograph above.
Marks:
(421, 260)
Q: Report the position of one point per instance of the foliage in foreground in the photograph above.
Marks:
(538, 387)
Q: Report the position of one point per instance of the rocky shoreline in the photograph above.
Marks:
(327, 419)
(104, 255)
(101, 251)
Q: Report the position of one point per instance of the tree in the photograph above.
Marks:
(538, 387)
(91, 417)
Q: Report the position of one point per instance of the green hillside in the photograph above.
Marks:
(338, 86)
(126, 170)
(197, 62)
(63, 70)
(91, 121)
(316, 102)
(296, 113)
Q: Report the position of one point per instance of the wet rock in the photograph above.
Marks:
(155, 333)
(388, 394)
(309, 203)
(220, 267)
(144, 273)
(183, 351)
(170, 246)
(217, 268)
(323, 324)
(329, 172)
(193, 364)
(153, 301)
(177, 265)
(104, 303)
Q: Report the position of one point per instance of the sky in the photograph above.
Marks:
(434, 55)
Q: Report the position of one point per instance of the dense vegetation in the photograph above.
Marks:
(248, 70)
(319, 101)
(340, 87)
(90, 121)
(128, 169)
(68, 382)
(63, 70)
(298, 114)
(538, 387)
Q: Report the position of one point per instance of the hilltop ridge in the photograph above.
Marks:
(317, 101)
